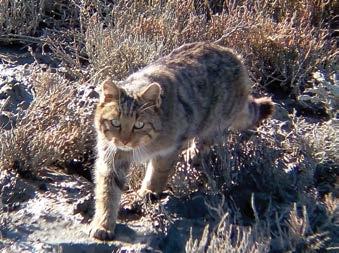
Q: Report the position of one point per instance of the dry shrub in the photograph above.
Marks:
(257, 159)
(291, 234)
(282, 42)
(265, 179)
(281, 47)
(114, 43)
(322, 138)
(18, 17)
(228, 237)
(116, 54)
(54, 129)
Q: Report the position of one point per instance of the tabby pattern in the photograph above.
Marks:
(192, 92)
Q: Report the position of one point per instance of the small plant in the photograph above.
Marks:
(227, 237)
(52, 129)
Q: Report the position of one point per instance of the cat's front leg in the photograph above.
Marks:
(158, 171)
(109, 184)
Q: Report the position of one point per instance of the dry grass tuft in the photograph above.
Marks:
(54, 129)
(281, 148)
(30, 18)
(265, 179)
(281, 46)
(227, 237)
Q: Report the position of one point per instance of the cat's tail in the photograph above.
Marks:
(255, 111)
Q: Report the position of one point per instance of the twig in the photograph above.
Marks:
(20, 38)
(225, 35)
(6, 58)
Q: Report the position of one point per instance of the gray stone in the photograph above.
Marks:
(15, 88)
(7, 120)
(4, 122)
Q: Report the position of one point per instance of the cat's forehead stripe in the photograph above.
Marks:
(128, 105)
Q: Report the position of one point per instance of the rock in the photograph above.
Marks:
(85, 206)
(3, 92)
(87, 96)
(87, 248)
(4, 122)
(280, 113)
(7, 120)
(14, 191)
(191, 208)
(93, 94)
(15, 93)
(178, 234)
(54, 219)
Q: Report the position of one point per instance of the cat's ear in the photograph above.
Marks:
(109, 91)
(152, 94)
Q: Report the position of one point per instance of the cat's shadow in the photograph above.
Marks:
(124, 233)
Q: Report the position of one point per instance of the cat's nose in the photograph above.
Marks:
(125, 141)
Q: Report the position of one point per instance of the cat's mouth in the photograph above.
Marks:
(125, 148)
(129, 146)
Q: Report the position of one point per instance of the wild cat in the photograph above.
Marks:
(191, 92)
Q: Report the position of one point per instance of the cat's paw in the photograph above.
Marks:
(100, 233)
(142, 193)
(149, 195)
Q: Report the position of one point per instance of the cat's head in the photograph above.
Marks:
(125, 120)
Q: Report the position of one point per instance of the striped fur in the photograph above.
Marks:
(192, 92)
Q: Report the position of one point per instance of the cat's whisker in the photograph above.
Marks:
(136, 158)
(144, 154)
(134, 155)
(106, 155)
(138, 155)
(111, 149)
(110, 152)
(114, 151)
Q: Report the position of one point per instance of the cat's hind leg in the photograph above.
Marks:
(254, 111)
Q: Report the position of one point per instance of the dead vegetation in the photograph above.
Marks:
(264, 185)
(275, 187)
(54, 129)
(281, 48)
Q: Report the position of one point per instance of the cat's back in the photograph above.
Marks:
(202, 64)
(202, 52)
(204, 58)
(202, 71)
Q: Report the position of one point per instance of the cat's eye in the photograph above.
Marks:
(138, 125)
(116, 123)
